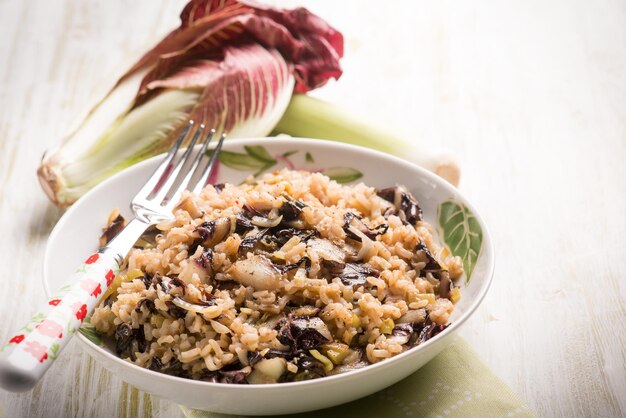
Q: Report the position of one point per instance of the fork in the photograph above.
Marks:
(29, 353)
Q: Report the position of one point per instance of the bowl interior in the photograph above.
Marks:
(76, 234)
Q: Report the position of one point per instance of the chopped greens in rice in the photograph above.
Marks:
(284, 278)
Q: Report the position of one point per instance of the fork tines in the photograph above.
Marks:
(175, 174)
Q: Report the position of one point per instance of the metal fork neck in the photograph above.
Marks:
(122, 243)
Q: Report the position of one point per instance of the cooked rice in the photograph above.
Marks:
(222, 311)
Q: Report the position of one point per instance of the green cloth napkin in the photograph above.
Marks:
(456, 383)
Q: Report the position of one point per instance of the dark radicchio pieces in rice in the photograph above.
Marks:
(405, 204)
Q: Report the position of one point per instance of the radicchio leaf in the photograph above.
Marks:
(306, 261)
(234, 376)
(246, 58)
(291, 210)
(147, 303)
(350, 218)
(310, 44)
(311, 369)
(431, 262)
(357, 274)
(303, 333)
(430, 330)
(406, 205)
(205, 260)
(112, 229)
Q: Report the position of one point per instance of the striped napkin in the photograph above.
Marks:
(456, 383)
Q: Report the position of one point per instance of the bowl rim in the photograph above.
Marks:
(348, 148)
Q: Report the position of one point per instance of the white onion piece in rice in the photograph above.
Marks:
(193, 267)
(265, 222)
(160, 293)
(412, 317)
(257, 271)
(189, 205)
(219, 328)
(397, 196)
(268, 371)
(183, 304)
(272, 321)
(353, 357)
(399, 339)
(297, 224)
(223, 227)
(306, 310)
(326, 250)
(300, 274)
(367, 245)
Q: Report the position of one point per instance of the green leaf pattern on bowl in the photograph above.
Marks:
(256, 160)
(461, 233)
(244, 162)
(343, 174)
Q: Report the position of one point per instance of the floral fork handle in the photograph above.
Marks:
(32, 350)
(29, 352)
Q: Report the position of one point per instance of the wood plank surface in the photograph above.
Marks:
(531, 97)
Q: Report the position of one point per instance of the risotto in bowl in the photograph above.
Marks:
(308, 274)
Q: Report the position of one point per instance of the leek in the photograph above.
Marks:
(309, 117)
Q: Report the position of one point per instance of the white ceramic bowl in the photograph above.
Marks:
(76, 235)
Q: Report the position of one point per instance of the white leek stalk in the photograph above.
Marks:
(309, 117)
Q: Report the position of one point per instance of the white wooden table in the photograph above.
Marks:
(531, 95)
